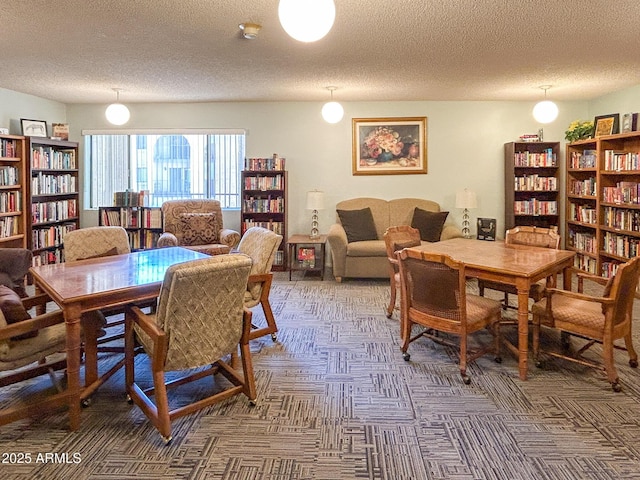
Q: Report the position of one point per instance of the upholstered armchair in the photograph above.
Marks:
(200, 322)
(197, 225)
(93, 242)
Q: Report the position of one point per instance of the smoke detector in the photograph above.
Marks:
(250, 30)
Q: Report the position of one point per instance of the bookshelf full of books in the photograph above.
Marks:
(264, 200)
(143, 224)
(53, 195)
(603, 201)
(12, 178)
(531, 184)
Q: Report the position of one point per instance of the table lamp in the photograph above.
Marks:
(315, 202)
(466, 199)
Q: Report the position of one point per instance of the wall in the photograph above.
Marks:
(14, 106)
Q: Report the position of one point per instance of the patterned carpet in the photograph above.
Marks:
(337, 401)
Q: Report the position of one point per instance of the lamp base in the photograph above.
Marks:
(314, 226)
(466, 231)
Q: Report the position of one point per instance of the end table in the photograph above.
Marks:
(307, 254)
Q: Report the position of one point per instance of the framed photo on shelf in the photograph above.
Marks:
(33, 128)
(60, 130)
(389, 146)
(606, 124)
(487, 229)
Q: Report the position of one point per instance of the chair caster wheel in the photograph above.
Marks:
(252, 403)
(389, 315)
(274, 338)
(85, 403)
(498, 359)
(406, 356)
(633, 363)
(466, 379)
(129, 400)
(539, 364)
(166, 440)
(616, 387)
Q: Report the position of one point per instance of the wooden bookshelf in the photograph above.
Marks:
(13, 181)
(143, 224)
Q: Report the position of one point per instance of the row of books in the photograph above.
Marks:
(131, 199)
(535, 207)
(621, 161)
(50, 237)
(583, 187)
(9, 176)
(47, 257)
(622, 219)
(46, 184)
(128, 217)
(583, 241)
(48, 158)
(307, 257)
(264, 205)
(584, 159)
(8, 148)
(264, 183)
(42, 212)
(532, 159)
(609, 269)
(10, 202)
(623, 192)
(585, 263)
(9, 226)
(620, 245)
(583, 213)
(273, 163)
(530, 183)
(276, 227)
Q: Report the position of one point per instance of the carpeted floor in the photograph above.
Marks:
(337, 401)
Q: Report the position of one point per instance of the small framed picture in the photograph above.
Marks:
(60, 130)
(487, 229)
(33, 128)
(606, 124)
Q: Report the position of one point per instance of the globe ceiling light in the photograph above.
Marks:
(117, 113)
(332, 111)
(545, 111)
(307, 20)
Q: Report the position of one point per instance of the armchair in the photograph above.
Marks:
(14, 265)
(197, 225)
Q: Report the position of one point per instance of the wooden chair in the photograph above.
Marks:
(531, 237)
(433, 289)
(261, 245)
(200, 320)
(395, 239)
(597, 319)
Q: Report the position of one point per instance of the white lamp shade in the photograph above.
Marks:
(545, 111)
(315, 200)
(332, 112)
(466, 199)
(307, 20)
(117, 114)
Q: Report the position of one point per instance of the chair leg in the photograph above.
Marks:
(536, 340)
(633, 356)
(247, 370)
(609, 364)
(463, 360)
(268, 315)
(392, 300)
(162, 405)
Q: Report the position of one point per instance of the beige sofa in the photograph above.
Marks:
(368, 259)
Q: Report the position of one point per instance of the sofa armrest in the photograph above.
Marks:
(450, 231)
(229, 237)
(167, 240)
(337, 239)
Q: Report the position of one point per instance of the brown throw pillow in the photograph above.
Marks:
(13, 310)
(197, 229)
(358, 224)
(429, 223)
(108, 253)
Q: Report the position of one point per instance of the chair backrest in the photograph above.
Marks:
(433, 284)
(533, 237)
(623, 289)
(399, 237)
(200, 309)
(95, 242)
(173, 214)
(261, 245)
(14, 266)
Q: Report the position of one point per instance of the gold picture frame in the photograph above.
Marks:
(389, 146)
(606, 124)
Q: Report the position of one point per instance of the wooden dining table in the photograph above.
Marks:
(517, 265)
(95, 284)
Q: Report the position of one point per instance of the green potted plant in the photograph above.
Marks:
(578, 130)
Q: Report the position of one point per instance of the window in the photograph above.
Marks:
(169, 166)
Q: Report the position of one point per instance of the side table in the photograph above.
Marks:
(307, 254)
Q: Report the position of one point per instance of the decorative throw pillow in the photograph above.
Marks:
(358, 224)
(197, 229)
(13, 310)
(429, 223)
(108, 253)
(408, 244)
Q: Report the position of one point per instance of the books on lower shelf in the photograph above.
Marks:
(307, 257)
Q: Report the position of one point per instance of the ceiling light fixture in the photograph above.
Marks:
(250, 30)
(117, 113)
(332, 112)
(545, 111)
(307, 20)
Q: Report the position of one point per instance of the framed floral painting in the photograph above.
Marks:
(389, 146)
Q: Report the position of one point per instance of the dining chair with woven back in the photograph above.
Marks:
(395, 239)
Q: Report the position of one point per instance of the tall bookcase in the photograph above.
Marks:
(603, 201)
(264, 200)
(143, 224)
(53, 196)
(13, 179)
(531, 176)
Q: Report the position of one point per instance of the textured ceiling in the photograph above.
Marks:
(77, 51)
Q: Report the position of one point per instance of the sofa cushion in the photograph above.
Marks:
(13, 310)
(197, 229)
(367, 248)
(358, 225)
(429, 223)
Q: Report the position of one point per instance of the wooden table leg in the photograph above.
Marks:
(523, 329)
(72, 321)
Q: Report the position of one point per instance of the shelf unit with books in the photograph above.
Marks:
(53, 195)
(264, 200)
(13, 220)
(143, 224)
(603, 201)
(532, 190)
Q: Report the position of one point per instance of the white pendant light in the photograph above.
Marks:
(545, 111)
(117, 113)
(332, 112)
(307, 20)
